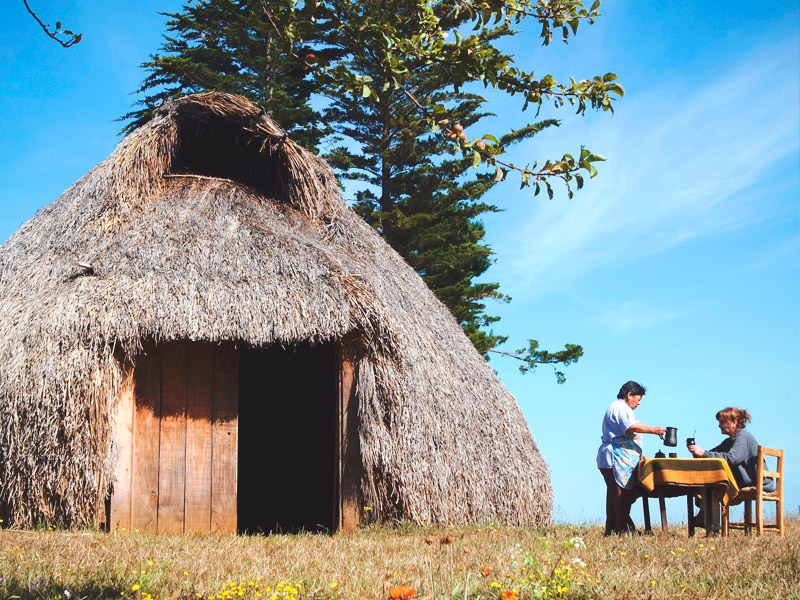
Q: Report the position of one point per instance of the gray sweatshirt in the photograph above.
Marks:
(741, 453)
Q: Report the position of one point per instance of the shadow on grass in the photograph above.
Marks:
(43, 589)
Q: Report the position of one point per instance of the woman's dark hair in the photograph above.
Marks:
(738, 415)
(631, 388)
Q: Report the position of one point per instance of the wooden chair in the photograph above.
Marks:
(756, 493)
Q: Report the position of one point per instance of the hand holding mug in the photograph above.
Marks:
(696, 451)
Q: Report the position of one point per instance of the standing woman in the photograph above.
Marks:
(619, 454)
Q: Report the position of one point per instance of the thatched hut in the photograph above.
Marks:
(201, 335)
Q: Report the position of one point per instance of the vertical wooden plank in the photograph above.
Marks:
(146, 432)
(225, 438)
(123, 454)
(349, 449)
(200, 379)
(172, 450)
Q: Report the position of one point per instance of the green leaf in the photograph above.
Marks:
(617, 89)
(499, 174)
(476, 159)
(365, 91)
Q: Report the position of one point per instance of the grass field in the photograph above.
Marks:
(452, 562)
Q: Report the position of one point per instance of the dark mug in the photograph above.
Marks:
(690, 442)
(673, 455)
(671, 437)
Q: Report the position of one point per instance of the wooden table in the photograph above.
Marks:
(670, 477)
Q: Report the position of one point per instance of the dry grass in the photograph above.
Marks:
(455, 563)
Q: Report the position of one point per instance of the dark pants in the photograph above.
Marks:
(618, 505)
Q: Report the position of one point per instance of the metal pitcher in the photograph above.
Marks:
(671, 436)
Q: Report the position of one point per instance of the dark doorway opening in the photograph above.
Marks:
(287, 439)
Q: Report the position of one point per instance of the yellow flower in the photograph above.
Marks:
(135, 587)
(652, 582)
(149, 563)
(335, 584)
(673, 553)
(495, 584)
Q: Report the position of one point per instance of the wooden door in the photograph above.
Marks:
(176, 440)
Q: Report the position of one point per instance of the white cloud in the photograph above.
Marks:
(633, 314)
(681, 166)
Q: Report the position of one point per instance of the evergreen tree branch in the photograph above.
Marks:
(531, 357)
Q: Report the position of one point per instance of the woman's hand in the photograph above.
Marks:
(696, 451)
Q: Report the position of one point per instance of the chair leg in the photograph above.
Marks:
(748, 516)
(759, 515)
(726, 509)
(779, 516)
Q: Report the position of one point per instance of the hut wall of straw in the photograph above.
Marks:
(185, 256)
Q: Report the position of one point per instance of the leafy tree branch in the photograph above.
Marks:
(70, 39)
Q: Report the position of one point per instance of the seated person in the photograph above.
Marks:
(740, 451)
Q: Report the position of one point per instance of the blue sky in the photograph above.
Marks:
(678, 266)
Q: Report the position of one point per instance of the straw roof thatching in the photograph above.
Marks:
(272, 255)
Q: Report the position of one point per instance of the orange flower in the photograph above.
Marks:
(508, 595)
(402, 592)
(485, 571)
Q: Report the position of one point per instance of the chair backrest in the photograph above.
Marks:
(763, 472)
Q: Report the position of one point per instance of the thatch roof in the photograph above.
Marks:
(271, 255)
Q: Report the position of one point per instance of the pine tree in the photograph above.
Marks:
(236, 46)
(396, 102)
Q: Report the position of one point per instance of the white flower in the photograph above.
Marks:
(576, 542)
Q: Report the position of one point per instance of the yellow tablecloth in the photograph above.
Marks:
(690, 473)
